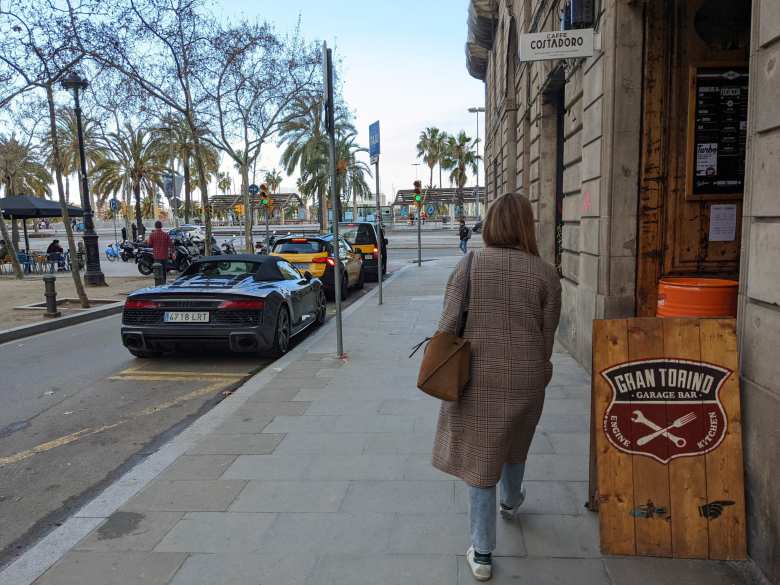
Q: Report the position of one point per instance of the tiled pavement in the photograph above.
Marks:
(322, 476)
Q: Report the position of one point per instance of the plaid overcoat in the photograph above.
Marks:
(513, 312)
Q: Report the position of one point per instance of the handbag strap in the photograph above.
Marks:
(464, 306)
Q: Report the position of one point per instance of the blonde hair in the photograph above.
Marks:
(510, 224)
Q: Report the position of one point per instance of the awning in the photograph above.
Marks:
(29, 206)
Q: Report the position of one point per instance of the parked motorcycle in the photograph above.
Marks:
(184, 252)
(228, 247)
(127, 250)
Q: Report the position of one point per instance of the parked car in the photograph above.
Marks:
(244, 302)
(364, 237)
(316, 255)
(196, 232)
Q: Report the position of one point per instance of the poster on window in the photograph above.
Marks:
(719, 131)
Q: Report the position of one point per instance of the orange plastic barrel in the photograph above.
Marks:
(697, 297)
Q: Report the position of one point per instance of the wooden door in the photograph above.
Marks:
(673, 226)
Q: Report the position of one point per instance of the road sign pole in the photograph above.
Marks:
(249, 244)
(374, 150)
(380, 232)
(327, 56)
(419, 235)
(267, 230)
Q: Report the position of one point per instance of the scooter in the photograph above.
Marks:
(113, 251)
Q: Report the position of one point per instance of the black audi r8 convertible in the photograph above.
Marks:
(246, 303)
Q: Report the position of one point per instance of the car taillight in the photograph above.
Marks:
(141, 304)
(243, 305)
(324, 260)
(376, 252)
(300, 240)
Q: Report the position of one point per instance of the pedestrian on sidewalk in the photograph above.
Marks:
(513, 310)
(465, 235)
(161, 245)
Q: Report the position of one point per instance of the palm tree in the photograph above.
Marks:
(139, 166)
(22, 172)
(224, 182)
(431, 147)
(352, 182)
(176, 140)
(68, 137)
(460, 158)
(273, 179)
(307, 146)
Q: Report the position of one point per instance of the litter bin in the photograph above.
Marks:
(697, 297)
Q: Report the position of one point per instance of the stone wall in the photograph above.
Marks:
(601, 121)
(759, 319)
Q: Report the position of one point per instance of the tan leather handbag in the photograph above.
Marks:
(446, 365)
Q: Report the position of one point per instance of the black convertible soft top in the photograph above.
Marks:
(268, 267)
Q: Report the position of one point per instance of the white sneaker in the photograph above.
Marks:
(512, 513)
(481, 571)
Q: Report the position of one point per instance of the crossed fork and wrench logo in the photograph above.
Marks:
(658, 431)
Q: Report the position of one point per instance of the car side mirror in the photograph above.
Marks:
(384, 242)
(308, 276)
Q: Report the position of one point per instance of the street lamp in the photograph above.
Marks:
(93, 275)
(478, 111)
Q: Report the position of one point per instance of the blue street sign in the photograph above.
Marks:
(431, 210)
(114, 204)
(253, 189)
(373, 141)
(404, 212)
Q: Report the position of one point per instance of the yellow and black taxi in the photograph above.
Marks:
(316, 255)
(364, 237)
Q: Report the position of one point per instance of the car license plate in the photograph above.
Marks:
(302, 266)
(186, 317)
(368, 256)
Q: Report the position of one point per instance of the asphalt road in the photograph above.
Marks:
(76, 410)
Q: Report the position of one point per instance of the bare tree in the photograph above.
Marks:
(252, 80)
(40, 45)
(159, 45)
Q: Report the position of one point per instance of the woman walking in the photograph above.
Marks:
(513, 311)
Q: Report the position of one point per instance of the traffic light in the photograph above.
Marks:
(418, 193)
(265, 199)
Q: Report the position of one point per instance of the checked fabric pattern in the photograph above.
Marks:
(513, 314)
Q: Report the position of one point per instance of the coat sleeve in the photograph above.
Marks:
(453, 298)
(551, 313)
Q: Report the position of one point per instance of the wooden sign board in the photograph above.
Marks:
(667, 438)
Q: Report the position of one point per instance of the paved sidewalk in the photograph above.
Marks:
(319, 473)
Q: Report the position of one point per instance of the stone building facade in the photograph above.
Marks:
(599, 144)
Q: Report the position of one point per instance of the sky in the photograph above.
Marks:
(403, 63)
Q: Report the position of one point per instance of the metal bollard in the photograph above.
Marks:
(51, 296)
(159, 274)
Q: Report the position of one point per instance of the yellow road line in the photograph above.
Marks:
(61, 441)
(136, 372)
(158, 378)
(184, 398)
(67, 439)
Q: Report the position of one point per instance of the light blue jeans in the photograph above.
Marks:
(464, 245)
(482, 506)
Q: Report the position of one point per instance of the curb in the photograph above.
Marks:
(60, 323)
(52, 547)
